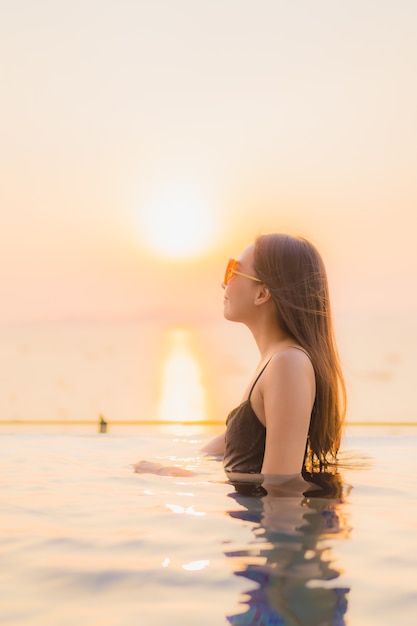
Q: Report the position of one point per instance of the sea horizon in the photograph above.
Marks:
(146, 371)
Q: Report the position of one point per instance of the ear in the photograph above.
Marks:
(263, 295)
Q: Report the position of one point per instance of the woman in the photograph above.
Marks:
(291, 418)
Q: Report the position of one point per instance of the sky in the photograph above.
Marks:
(233, 117)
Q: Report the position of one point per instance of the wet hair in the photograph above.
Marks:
(294, 272)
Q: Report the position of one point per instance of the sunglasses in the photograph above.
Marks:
(231, 271)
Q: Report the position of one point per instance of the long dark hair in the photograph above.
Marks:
(294, 272)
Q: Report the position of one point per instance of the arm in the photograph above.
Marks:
(149, 467)
(215, 447)
(288, 390)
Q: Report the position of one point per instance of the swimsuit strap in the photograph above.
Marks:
(264, 367)
(258, 377)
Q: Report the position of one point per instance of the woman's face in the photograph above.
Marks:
(239, 293)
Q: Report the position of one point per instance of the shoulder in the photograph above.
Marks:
(289, 386)
(290, 365)
(291, 358)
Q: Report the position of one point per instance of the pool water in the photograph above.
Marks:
(85, 540)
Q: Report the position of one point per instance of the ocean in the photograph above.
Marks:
(62, 374)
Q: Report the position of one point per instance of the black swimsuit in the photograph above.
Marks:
(245, 436)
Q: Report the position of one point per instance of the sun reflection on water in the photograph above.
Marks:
(182, 395)
(195, 566)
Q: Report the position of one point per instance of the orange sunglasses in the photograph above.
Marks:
(231, 270)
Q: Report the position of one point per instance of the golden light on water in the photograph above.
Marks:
(182, 394)
(195, 566)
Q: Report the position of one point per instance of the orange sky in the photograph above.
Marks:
(280, 116)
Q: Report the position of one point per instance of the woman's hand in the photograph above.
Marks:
(149, 467)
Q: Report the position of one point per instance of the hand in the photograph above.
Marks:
(149, 467)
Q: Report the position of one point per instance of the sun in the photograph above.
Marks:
(177, 222)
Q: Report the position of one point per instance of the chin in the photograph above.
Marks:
(228, 316)
(226, 313)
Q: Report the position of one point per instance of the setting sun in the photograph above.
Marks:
(177, 222)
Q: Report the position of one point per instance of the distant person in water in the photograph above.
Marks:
(290, 421)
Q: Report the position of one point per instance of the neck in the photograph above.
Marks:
(268, 337)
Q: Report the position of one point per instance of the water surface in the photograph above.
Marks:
(85, 540)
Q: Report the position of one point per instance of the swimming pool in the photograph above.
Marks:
(84, 540)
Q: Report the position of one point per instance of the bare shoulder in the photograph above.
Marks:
(286, 390)
(290, 368)
(291, 359)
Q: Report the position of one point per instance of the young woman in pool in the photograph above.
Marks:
(291, 417)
